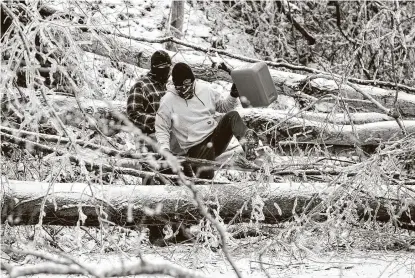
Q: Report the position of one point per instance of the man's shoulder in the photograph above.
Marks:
(143, 86)
(203, 87)
(143, 81)
(203, 84)
(168, 97)
(137, 85)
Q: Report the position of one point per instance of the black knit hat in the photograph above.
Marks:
(181, 72)
(160, 57)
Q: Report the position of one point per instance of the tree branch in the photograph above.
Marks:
(253, 60)
(387, 111)
(73, 267)
(172, 39)
(310, 39)
(29, 145)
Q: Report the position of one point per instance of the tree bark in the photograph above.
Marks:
(176, 22)
(177, 17)
(66, 204)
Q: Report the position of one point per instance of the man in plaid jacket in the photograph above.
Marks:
(144, 98)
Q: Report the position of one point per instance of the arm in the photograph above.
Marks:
(224, 104)
(163, 126)
(136, 109)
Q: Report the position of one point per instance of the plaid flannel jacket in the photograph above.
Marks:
(144, 101)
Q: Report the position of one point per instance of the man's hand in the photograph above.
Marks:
(224, 67)
(234, 91)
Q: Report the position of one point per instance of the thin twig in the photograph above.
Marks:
(311, 105)
(70, 266)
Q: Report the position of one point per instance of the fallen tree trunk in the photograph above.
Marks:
(263, 120)
(286, 83)
(273, 125)
(66, 204)
(101, 109)
(304, 130)
(341, 118)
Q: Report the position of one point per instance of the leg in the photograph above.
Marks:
(230, 125)
(187, 169)
(204, 150)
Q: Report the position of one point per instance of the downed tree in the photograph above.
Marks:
(263, 120)
(46, 11)
(361, 129)
(303, 130)
(66, 204)
(286, 83)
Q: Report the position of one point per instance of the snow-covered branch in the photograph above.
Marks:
(210, 50)
(72, 267)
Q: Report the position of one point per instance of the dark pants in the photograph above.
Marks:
(230, 125)
(154, 180)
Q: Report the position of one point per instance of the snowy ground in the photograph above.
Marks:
(374, 264)
(356, 264)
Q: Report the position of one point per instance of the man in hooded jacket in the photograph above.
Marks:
(188, 112)
(144, 100)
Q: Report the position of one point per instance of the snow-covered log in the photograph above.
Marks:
(104, 109)
(335, 129)
(301, 129)
(129, 51)
(66, 204)
(275, 125)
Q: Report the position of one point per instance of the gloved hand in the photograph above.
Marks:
(187, 169)
(234, 91)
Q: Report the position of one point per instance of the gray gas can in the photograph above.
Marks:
(255, 83)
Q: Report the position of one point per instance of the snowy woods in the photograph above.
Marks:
(335, 173)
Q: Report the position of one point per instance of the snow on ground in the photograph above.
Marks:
(375, 264)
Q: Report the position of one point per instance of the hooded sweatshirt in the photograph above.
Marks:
(192, 120)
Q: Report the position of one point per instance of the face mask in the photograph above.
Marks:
(161, 74)
(186, 91)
